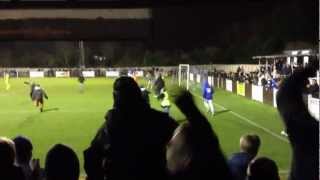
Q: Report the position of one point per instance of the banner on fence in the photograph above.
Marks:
(198, 78)
(191, 77)
(62, 74)
(229, 85)
(257, 93)
(36, 74)
(88, 73)
(313, 106)
(112, 73)
(210, 80)
(135, 73)
(241, 89)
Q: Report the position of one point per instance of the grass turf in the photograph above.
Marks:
(72, 118)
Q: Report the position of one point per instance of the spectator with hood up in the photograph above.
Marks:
(131, 143)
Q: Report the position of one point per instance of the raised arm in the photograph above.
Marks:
(206, 144)
(302, 128)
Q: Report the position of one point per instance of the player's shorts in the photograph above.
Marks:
(39, 101)
(165, 106)
(207, 100)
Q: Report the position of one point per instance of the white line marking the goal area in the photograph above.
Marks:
(268, 131)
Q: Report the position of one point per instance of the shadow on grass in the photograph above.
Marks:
(50, 109)
(32, 118)
(221, 112)
(28, 121)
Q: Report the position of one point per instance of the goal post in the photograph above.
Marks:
(184, 75)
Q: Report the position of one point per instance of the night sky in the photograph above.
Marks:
(224, 23)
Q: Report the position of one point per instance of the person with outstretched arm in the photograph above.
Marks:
(38, 94)
(32, 86)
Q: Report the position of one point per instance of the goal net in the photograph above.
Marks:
(184, 75)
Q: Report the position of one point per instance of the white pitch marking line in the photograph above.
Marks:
(250, 122)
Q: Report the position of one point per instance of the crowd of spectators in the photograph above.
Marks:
(269, 76)
(138, 142)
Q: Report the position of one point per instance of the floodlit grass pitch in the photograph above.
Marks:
(73, 118)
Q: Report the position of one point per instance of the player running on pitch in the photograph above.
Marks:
(165, 102)
(207, 94)
(81, 80)
(32, 85)
(6, 80)
(37, 96)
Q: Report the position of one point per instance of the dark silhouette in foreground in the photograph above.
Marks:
(302, 128)
(62, 163)
(8, 171)
(194, 151)
(263, 168)
(131, 144)
(29, 166)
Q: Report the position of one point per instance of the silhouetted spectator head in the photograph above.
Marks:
(7, 152)
(250, 143)
(189, 159)
(179, 150)
(62, 163)
(126, 93)
(263, 169)
(23, 149)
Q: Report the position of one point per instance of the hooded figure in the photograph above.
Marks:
(131, 143)
(158, 85)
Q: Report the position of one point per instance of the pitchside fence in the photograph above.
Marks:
(197, 74)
